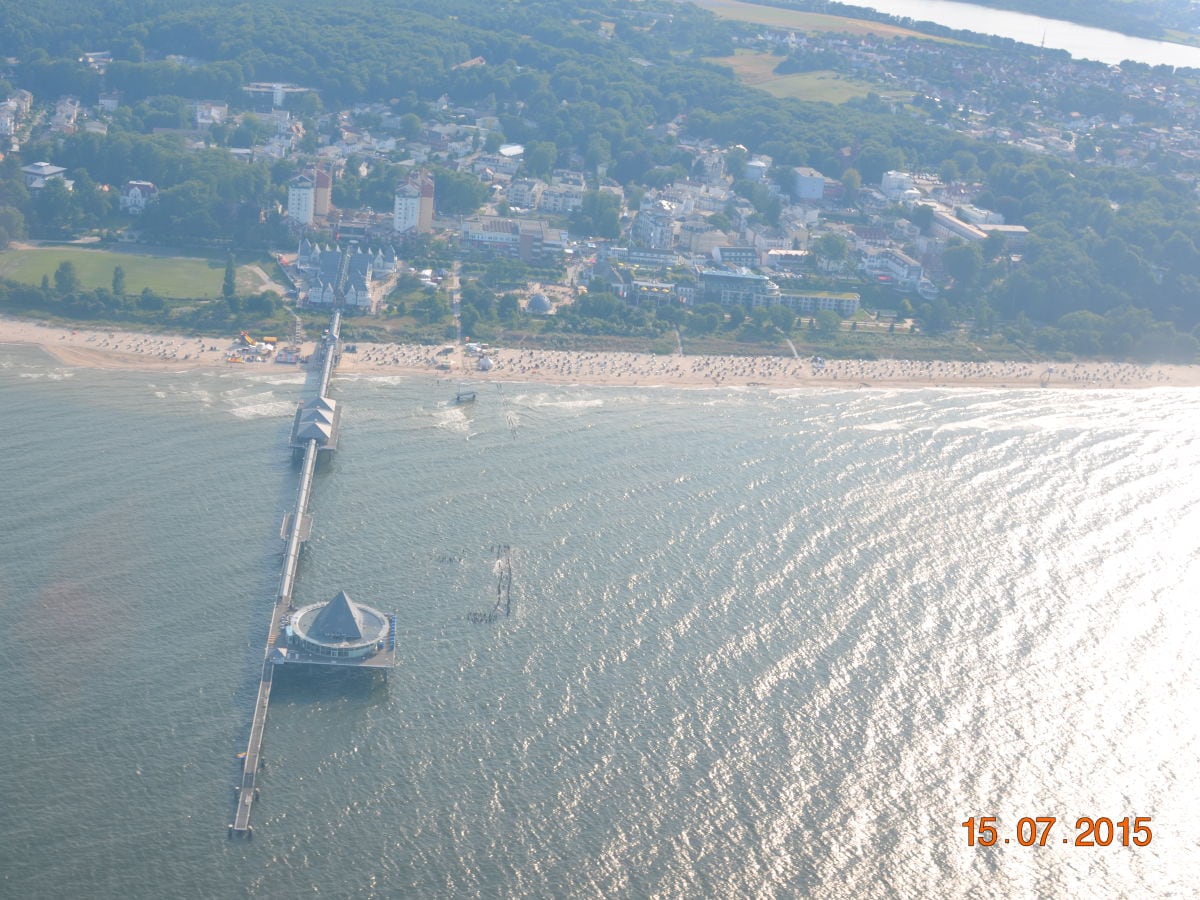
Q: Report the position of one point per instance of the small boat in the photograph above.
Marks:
(464, 397)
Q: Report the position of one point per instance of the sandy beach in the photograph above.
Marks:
(106, 349)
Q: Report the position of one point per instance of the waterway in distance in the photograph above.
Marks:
(762, 643)
(1081, 41)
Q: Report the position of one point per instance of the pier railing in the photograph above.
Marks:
(299, 525)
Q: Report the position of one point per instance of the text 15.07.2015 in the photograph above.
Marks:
(1031, 831)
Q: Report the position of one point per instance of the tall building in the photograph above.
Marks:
(808, 183)
(413, 209)
(727, 287)
(529, 240)
(322, 188)
(301, 199)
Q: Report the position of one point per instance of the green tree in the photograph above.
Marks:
(12, 225)
(964, 263)
(93, 204)
(56, 212)
(985, 318)
(185, 210)
(1081, 331)
(705, 319)
(599, 215)
(410, 126)
(782, 318)
(261, 304)
(229, 286)
(599, 152)
(874, 159)
(720, 222)
(66, 279)
(469, 319)
(249, 132)
(937, 316)
(993, 245)
(832, 250)
(508, 307)
(851, 184)
(921, 215)
(539, 158)
(735, 161)
(118, 281)
(458, 193)
(671, 313)
(828, 322)
(433, 308)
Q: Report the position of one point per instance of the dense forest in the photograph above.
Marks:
(559, 75)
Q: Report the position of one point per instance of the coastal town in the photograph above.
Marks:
(599, 448)
(722, 236)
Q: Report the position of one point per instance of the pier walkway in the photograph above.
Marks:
(299, 525)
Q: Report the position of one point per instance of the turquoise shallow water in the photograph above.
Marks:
(762, 643)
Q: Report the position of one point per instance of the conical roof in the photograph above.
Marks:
(339, 620)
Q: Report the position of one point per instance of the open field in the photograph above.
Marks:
(167, 276)
(758, 70)
(803, 21)
(1181, 37)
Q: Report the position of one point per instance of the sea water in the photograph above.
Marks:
(759, 643)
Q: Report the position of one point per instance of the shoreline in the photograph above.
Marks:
(134, 351)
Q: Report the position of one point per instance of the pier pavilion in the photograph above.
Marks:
(338, 633)
(316, 420)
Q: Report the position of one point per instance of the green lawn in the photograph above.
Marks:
(1181, 37)
(826, 87)
(167, 276)
(804, 21)
(757, 70)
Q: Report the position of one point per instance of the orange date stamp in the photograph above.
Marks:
(1036, 831)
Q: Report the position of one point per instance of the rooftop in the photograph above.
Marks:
(338, 633)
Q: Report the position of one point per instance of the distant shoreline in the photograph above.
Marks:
(102, 348)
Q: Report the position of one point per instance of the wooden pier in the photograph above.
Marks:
(247, 790)
(297, 526)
